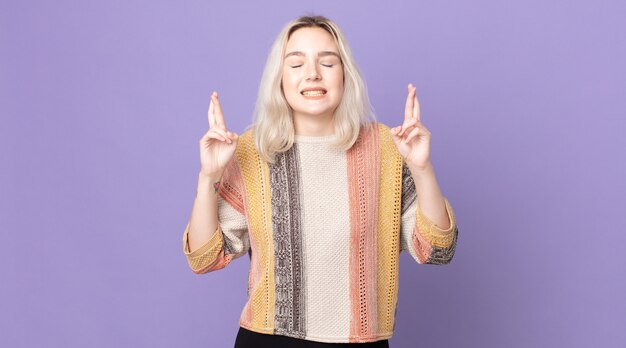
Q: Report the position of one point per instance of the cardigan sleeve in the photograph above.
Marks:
(231, 239)
(423, 239)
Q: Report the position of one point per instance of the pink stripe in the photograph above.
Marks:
(232, 189)
(231, 186)
(364, 175)
(421, 246)
(254, 277)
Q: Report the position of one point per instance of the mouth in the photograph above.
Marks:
(313, 92)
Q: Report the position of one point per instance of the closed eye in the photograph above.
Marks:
(325, 65)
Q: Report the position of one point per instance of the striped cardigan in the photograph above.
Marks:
(324, 230)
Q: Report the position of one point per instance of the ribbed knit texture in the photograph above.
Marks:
(324, 229)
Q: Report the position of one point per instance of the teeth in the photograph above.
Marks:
(313, 93)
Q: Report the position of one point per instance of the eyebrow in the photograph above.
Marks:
(320, 54)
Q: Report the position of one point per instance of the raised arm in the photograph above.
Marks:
(429, 227)
(202, 239)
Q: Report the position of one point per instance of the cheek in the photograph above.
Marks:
(338, 79)
(289, 83)
(340, 95)
(339, 84)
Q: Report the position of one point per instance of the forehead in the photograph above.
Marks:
(311, 41)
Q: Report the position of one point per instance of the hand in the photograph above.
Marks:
(217, 146)
(412, 138)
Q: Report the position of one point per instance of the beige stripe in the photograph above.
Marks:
(325, 233)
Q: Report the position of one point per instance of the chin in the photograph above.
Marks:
(314, 112)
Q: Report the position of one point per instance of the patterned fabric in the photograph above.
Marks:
(324, 229)
(286, 221)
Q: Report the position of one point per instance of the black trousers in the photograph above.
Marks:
(251, 339)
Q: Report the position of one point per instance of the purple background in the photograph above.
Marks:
(103, 105)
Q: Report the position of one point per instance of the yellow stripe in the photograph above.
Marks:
(388, 229)
(433, 234)
(255, 175)
(200, 259)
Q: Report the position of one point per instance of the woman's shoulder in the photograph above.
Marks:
(247, 132)
(381, 126)
(246, 149)
(375, 126)
(382, 131)
(244, 140)
(385, 141)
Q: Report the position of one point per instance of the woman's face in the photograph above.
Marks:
(312, 77)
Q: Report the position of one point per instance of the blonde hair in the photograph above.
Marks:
(273, 122)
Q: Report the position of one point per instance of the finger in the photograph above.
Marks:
(215, 135)
(211, 109)
(408, 107)
(223, 133)
(232, 135)
(219, 117)
(416, 108)
(210, 135)
(408, 123)
(411, 135)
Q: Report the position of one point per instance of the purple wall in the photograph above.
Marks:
(103, 105)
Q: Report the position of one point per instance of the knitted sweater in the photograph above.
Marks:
(324, 229)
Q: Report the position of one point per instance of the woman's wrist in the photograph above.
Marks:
(209, 182)
(423, 170)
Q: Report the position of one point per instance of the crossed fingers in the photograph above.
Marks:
(412, 123)
(216, 120)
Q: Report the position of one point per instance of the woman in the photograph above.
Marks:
(321, 197)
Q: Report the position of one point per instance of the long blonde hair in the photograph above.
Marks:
(273, 122)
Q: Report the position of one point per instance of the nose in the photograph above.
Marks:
(313, 75)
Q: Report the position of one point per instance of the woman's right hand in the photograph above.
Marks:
(217, 146)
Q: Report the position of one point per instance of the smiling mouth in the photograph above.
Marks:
(313, 92)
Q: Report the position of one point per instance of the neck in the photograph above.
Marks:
(313, 125)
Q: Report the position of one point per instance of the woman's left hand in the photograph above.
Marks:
(412, 138)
